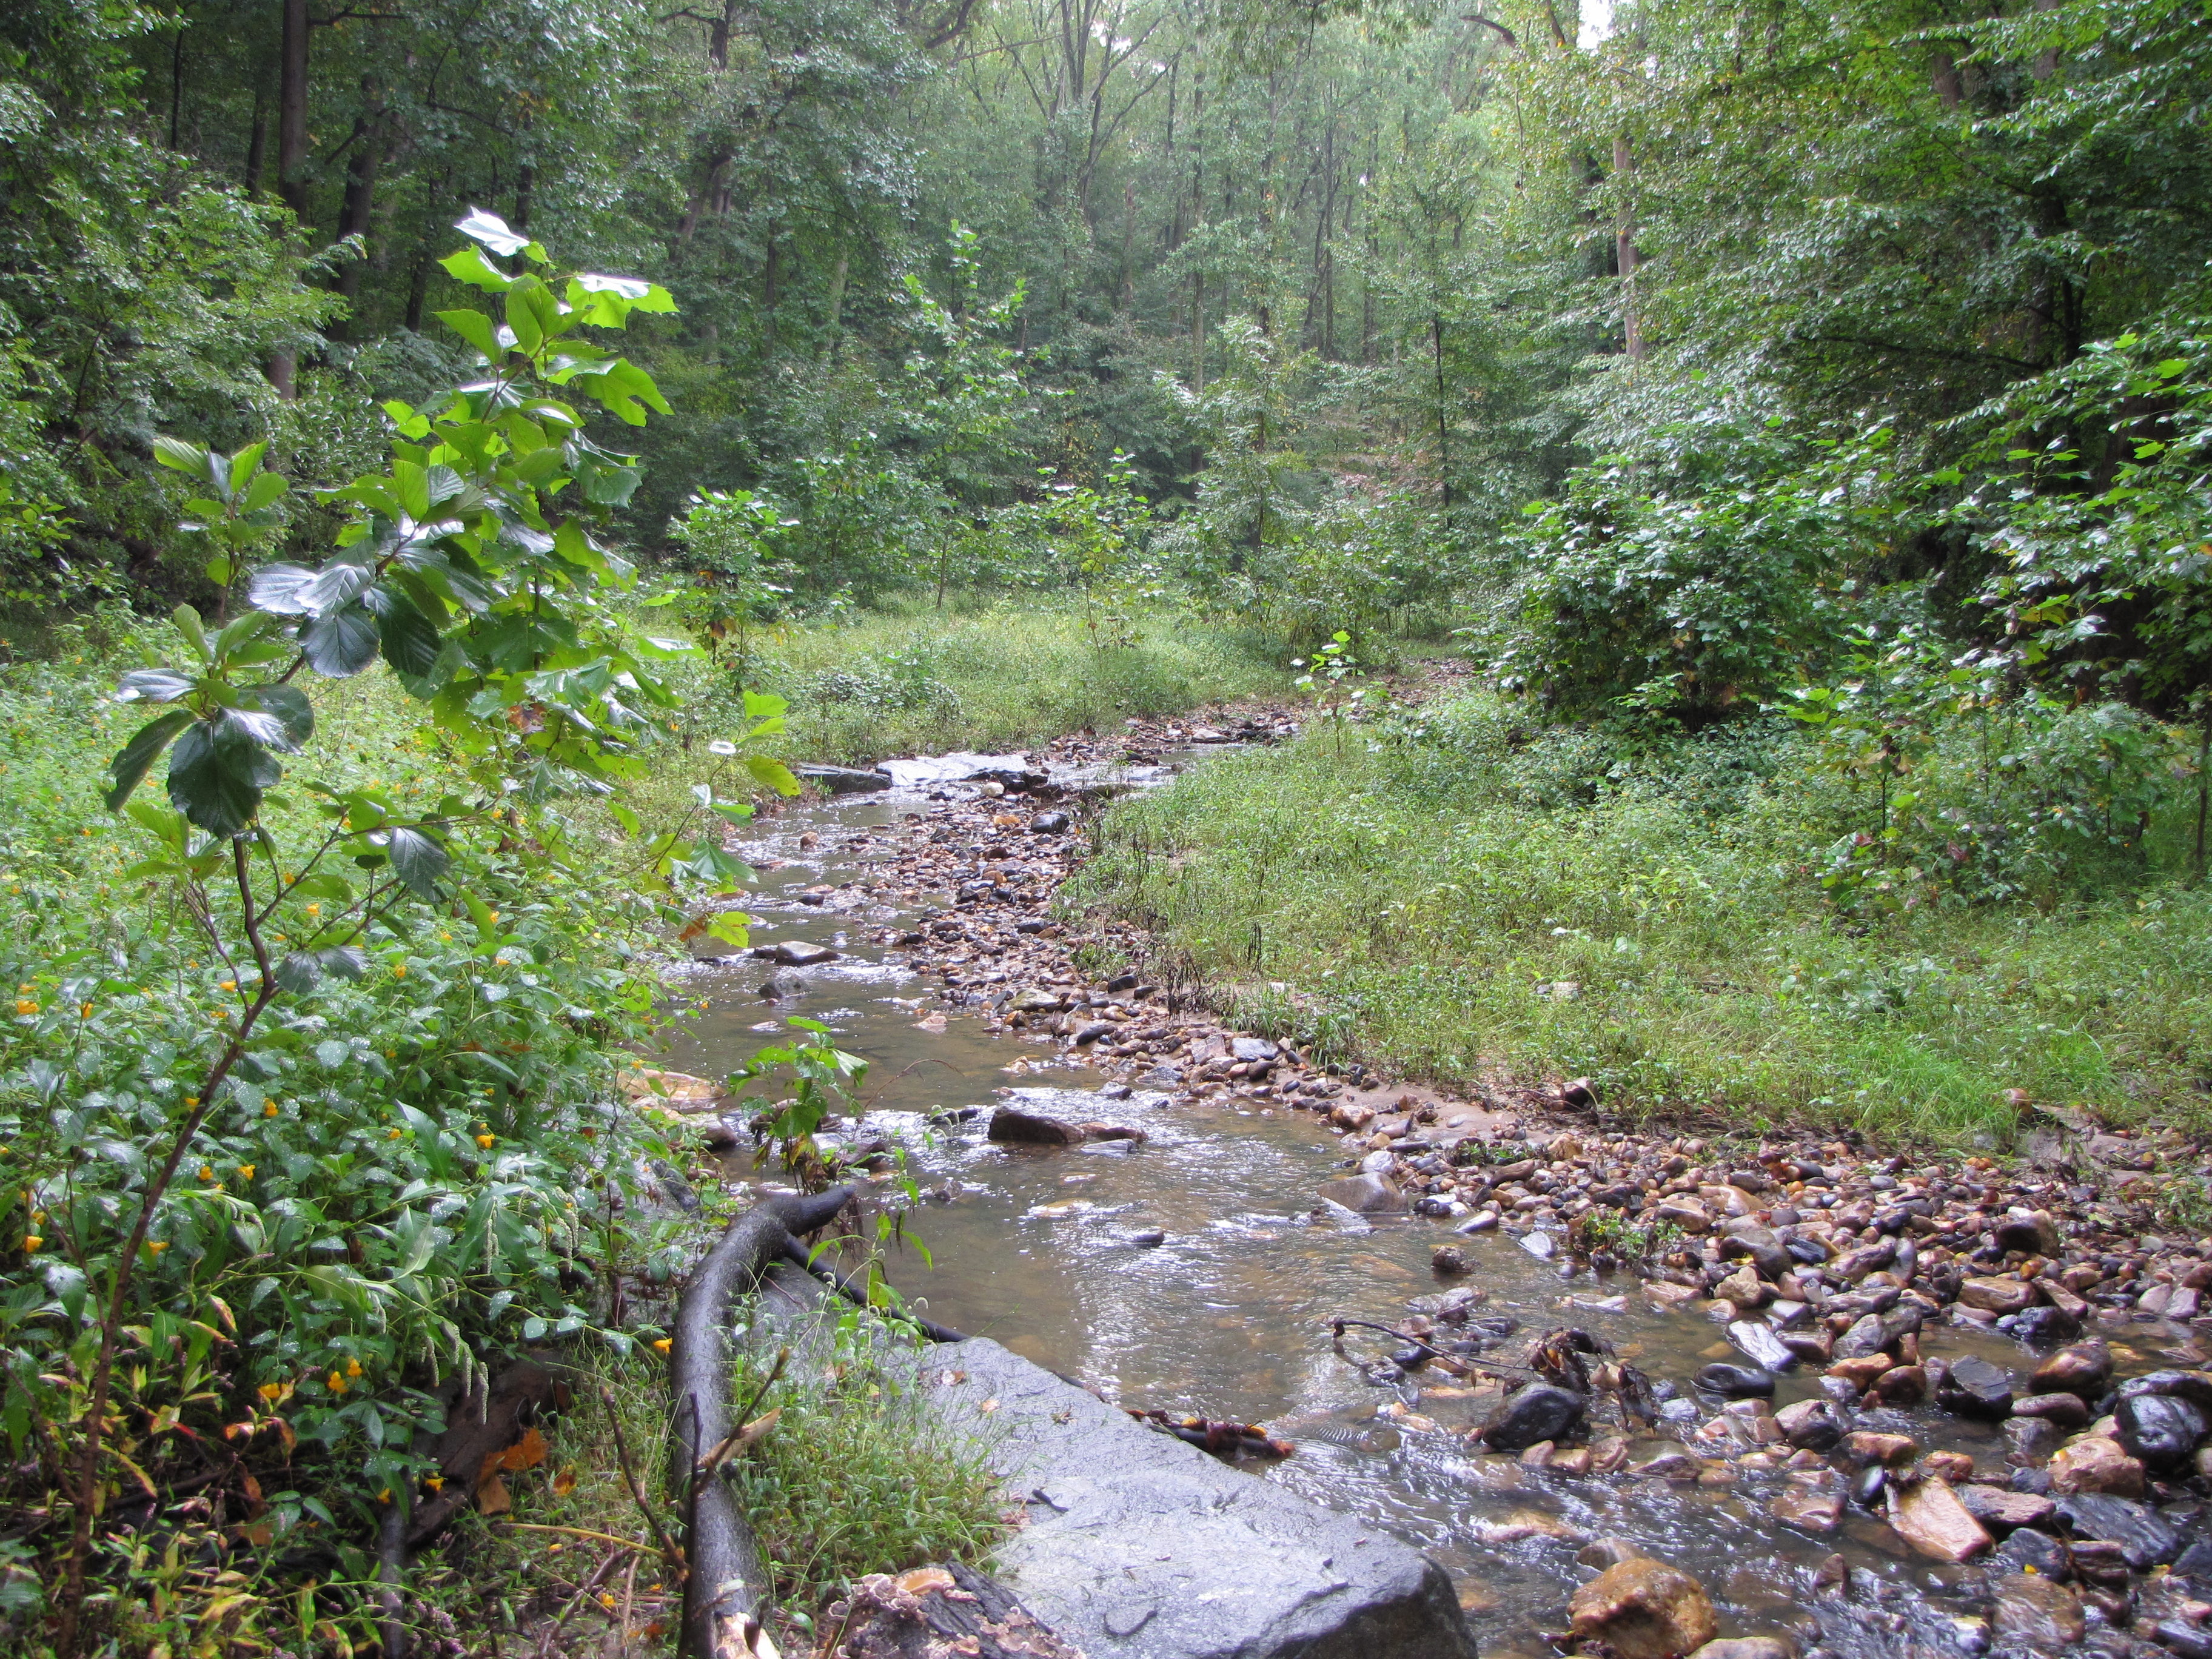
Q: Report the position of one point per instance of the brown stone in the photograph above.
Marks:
(1011, 1125)
(1644, 1610)
(1997, 1296)
(2094, 1463)
(2032, 1610)
(1952, 1466)
(1745, 1288)
(1927, 1515)
(1807, 1509)
(2083, 1369)
(2002, 1508)
(2064, 1411)
(1577, 1461)
(1691, 1217)
(1902, 1385)
(1864, 1446)
(1860, 1373)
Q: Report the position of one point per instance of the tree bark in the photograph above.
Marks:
(292, 110)
(354, 209)
(1624, 255)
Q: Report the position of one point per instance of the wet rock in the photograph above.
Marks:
(2064, 1411)
(1997, 1296)
(2037, 1613)
(1736, 1381)
(1249, 1048)
(1542, 1246)
(1012, 1126)
(1901, 1385)
(1927, 1515)
(1808, 1509)
(1745, 1288)
(1035, 1001)
(2195, 1386)
(1448, 1259)
(1975, 1388)
(2032, 1438)
(1643, 1609)
(1692, 1218)
(2034, 1234)
(1365, 1194)
(2031, 1551)
(1748, 1647)
(1871, 1446)
(2159, 1430)
(2188, 1640)
(2196, 1561)
(1050, 824)
(2003, 1510)
(795, 953)
(2094, 1464)
(1763, 1345)
(1149, 1238)
(842, 780)
(2044, 1325)
(1812, 1424)
(1860, 1371)
(2083, 1369)
(1535, 1411)
(1868, 1485)
(1114, 1132)
(2145, 1537)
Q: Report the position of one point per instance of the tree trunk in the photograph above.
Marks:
(525, 188)
(354, 210)
(1943, 75)
(1624, 255)
(292, 110)
(257, 143)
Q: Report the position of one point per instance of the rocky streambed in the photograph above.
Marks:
(1634, 1393)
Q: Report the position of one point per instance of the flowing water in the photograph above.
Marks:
(1229, 1317)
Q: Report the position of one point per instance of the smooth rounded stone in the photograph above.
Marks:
(796, 953)
(2029, 1550)
(1050, 824)
(2032, 1438)
(1748, 1647)
(1929, 1516)
(1010, 1125)
(1541, 1245)
(2083, 1369)
(2066, 1412)
(2159, 1430)
(1871, 1446)
(2094, 1464)
(842, 780)
(1363, 1194)
(1643, 1609)
(1974, 1387)
(2145, 1537)
(1735, 1381)
(1744, 1288)
(1868, 1485)
(2037, 1613)
(1448, 1259)
(1839, 1391)
(1997, 1296)
(1812, 1425)
(1603, 1552)
(2043, 1325)
(2034, 1234)
(2195, 1386)
(1807, 1509)
(1148, 1238)
(1901, 1385)
(1482, 1222)
(1763, 1346)
(1533, 1411)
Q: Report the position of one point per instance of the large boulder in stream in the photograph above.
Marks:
(1139, 1547)
(1644, 1609)
(1533, 1413)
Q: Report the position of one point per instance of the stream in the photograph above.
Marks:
(1228, 1317)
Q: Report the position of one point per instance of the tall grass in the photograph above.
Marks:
(1479, 895)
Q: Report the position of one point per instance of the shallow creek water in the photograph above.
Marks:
(1228, 1318)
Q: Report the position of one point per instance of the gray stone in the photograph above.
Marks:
(1363, 1194)
(1533, 1411)
(842, 779)
(1139, 1547)
(1011, 1125)
(1748, 1647)
(1762, 1345)
(1975, 1388)
(1542, 1246)
(2144, 1537)
(1252, 1048)
(795, 953)
(2160, 1430)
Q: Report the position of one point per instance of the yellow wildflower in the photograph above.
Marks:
(230, 985)
(272, 1392)
(434, 1482)
(337, 1382)
(245, 1172)
(399, 970)
(31, 1242)
(268, 1108)
(207, 1172)
(353, 1368)
(393, 1134)
(25, 1005)
(485, 1141)
(663, 1344)
(315, 909)
(84, 1010)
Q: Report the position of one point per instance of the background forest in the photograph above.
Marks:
(1790, 425)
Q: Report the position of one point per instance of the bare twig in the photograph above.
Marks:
(584, 1532)
(672, 1555)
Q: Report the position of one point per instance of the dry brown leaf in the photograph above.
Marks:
(565, 1482)
(527, 1453)
(492, 1497)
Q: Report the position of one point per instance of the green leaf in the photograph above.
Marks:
(493, 232)
(419, 860)
(264, 492)
(341, 643)
(411, 640)
(187, 621)
(729, 927)
(772, 773)
(153, 686)
(470, 266)
(136, 758)
(217, 775)
(476, 328)
(291, 706)
(243, 464)
(179, 456)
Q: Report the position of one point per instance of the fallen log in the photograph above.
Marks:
(940, 1612)
(799, 1256)
(725, 1586)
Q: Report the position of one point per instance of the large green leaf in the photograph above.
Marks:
(341, 643)
(411, 640)
(217, 775)
(130, 767)
(418, 860)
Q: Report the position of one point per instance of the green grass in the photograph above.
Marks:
(997, 678)
(1412, 892)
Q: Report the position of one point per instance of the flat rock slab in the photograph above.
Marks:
(961, 767)
(1139, 1547)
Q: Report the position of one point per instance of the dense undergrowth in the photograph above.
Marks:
(1468, 889)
